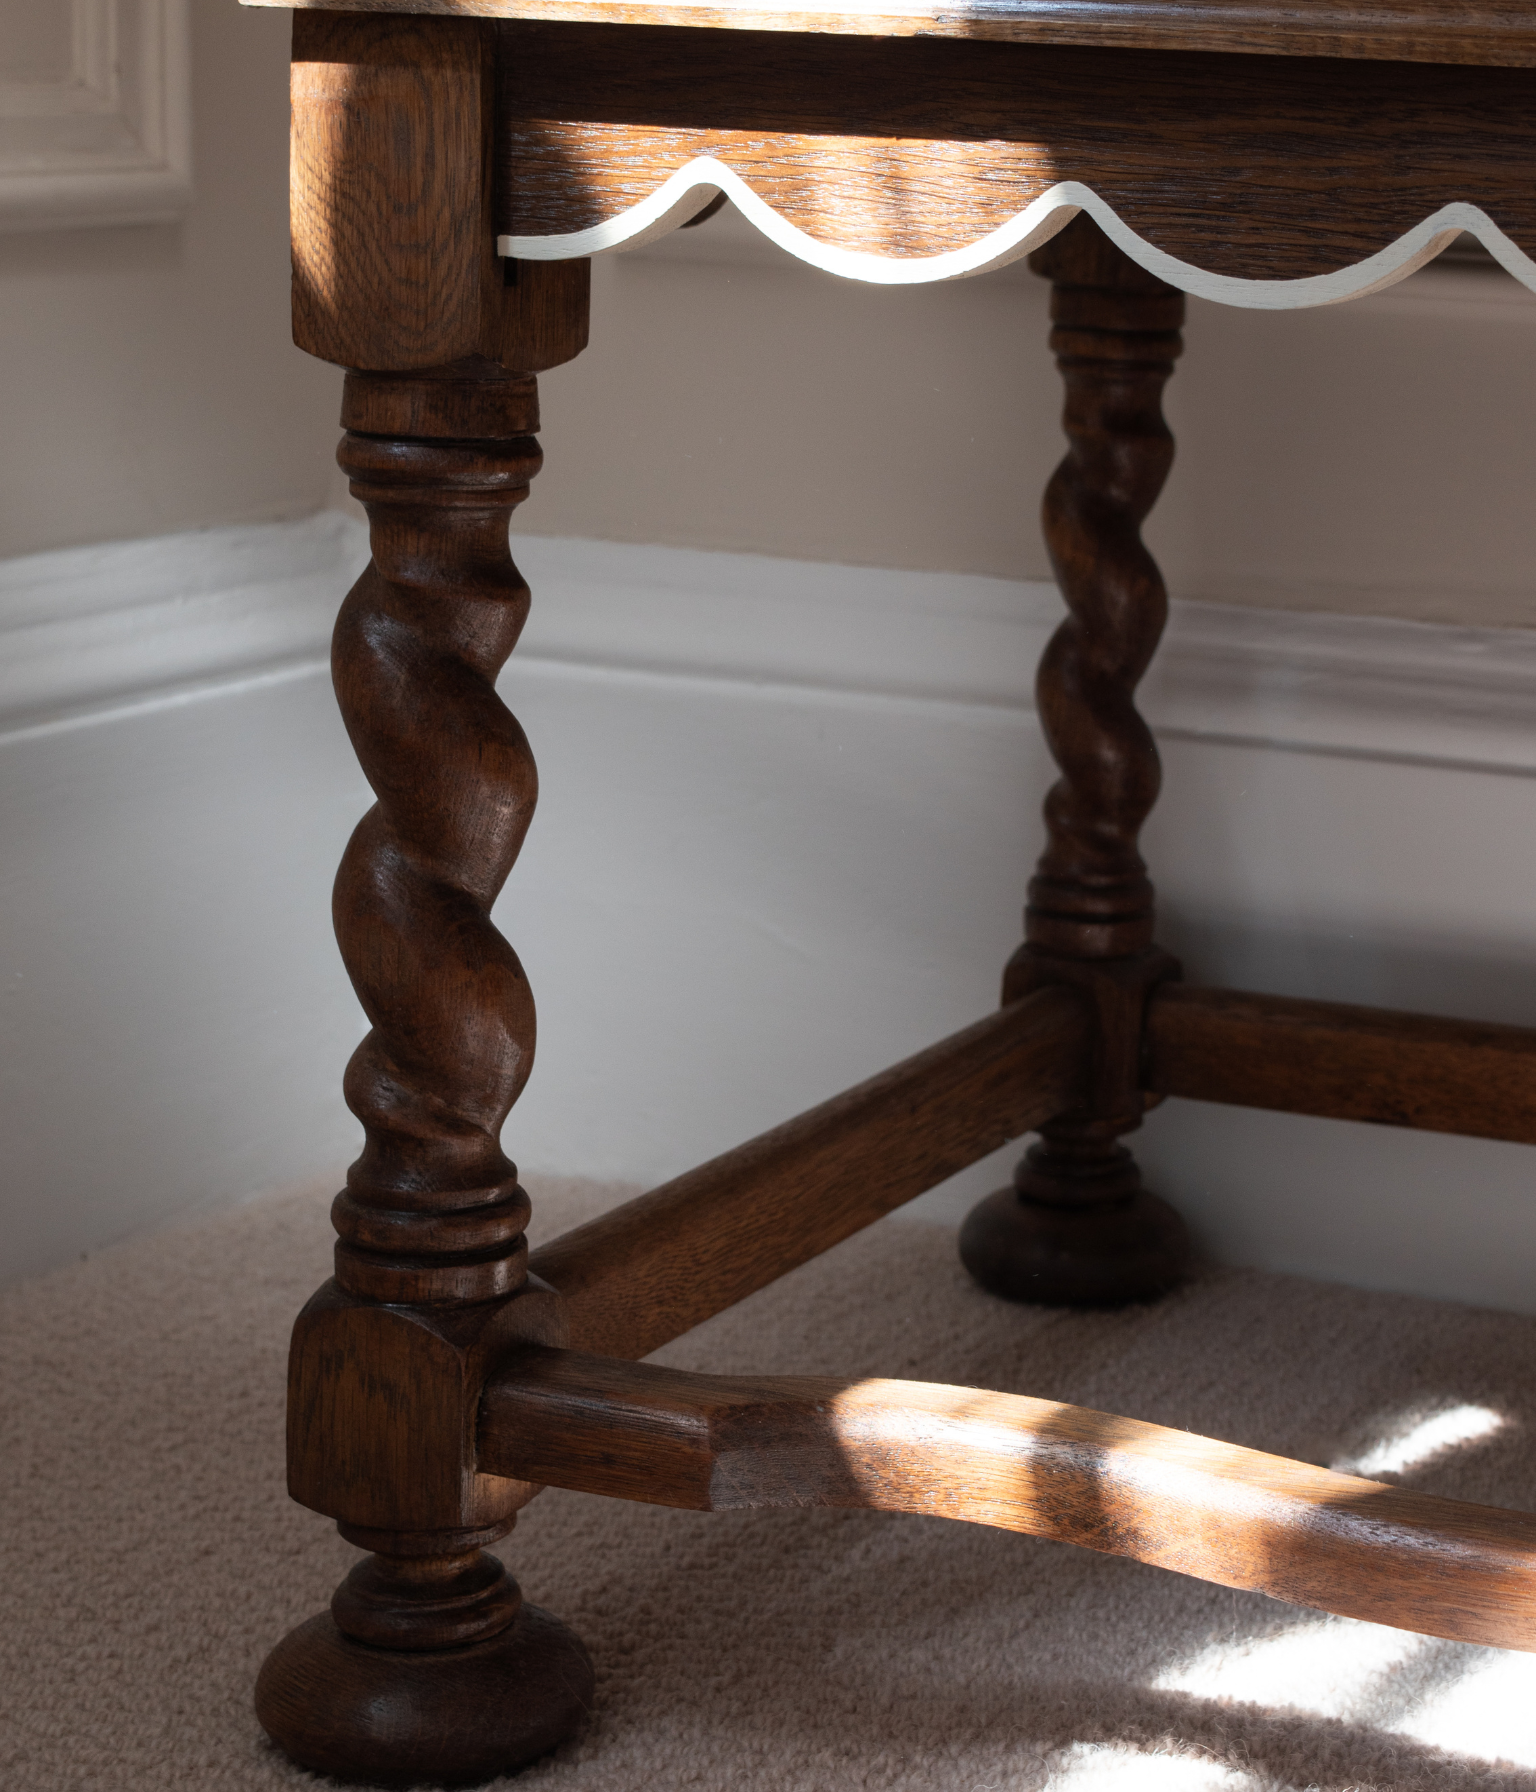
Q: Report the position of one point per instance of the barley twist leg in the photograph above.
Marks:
(428, 1666)
(1077, 1227)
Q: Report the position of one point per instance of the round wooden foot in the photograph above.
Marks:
(1114, 1243)
(451, 1717)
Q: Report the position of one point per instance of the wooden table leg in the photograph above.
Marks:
(1077, 1227)
(428, 1666)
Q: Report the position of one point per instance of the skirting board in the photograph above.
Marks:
(89, 633)
(97, 632)
(789, 811)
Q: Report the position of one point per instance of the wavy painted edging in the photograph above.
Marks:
(686, 192)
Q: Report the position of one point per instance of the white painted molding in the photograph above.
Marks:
(1453, 289)
(685, 193)
(91, 632)
(87, 633)
(1296, 680)
(95, 113)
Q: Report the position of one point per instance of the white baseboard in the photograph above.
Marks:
(1290, 679)
(789, 813)
(89, 632)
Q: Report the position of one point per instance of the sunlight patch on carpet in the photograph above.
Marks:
(1115, 1767)
(1489, 1713)
(1418, 1443)
(1326, 1666)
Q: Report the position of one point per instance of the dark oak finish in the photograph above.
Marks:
(654, 1268)
(1343, 1062)
(394, 253)
(456, 1717)
(1494, 32)
(427, 1667)
(430, 1391)
(433, 1211)
(1077, 1228)
(381, 1403)
(1214, 1510)
(1254, 169)
(1115, 337)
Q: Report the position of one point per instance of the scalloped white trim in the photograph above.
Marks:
(686, 192)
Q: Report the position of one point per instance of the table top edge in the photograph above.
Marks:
(1495, 33)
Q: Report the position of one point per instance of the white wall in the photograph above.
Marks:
(150, 380)
(1373, 457)
(1377, 457)
(787, 814)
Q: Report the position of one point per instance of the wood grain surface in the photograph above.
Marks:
(1344, 1062)
(432, 1210)
(659, 1265)
(394, 1717)
(1470, 31)
(394, 255)
(914, 148)
(426, 1668)
(1213, 1510)
(1115, 335)
(1077, 1228)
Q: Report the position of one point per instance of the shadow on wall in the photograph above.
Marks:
(1475, 980)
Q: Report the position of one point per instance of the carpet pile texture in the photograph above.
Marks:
(151, 1555)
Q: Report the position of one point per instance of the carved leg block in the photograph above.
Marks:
(1077, 1228)
(428, 1667)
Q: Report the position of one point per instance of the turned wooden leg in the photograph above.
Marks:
(427, 1667)
(1077, 1227)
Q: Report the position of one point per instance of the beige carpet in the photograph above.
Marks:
(151, 1555)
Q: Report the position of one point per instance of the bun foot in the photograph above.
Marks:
(451, 1717)
(1133, 1249)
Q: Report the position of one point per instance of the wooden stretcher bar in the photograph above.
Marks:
(661, 1264)
(1213, 1510)
(1343, 1062)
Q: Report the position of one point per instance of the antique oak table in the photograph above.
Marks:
(455, 163)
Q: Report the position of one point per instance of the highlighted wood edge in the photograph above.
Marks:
(1213, 1510)
(684, 193)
